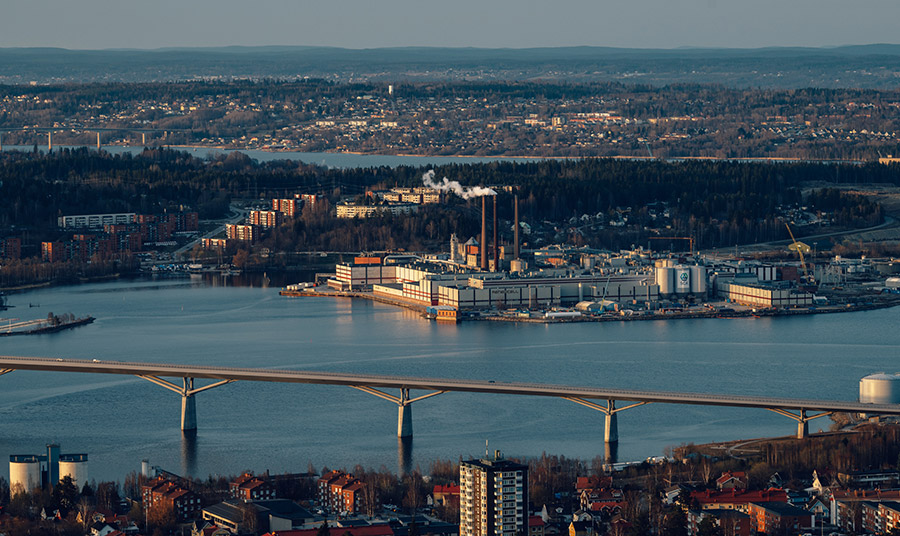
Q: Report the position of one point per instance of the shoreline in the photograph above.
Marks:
(745, 159)
(419, 308)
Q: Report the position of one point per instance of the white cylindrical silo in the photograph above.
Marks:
(698, 280)
(665, 278)
(24, 473)
(74, 466)
(682, 280)
(880, 389)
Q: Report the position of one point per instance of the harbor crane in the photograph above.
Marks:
(690, 239)
(800, 248)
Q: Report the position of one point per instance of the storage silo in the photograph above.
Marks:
(698, 281)
(682, 280)
(880, 388)
(665, 278)
(24, 473)
(74, 466)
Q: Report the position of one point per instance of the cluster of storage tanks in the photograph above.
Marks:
(680, 280)
(880, 388)
(30, 471)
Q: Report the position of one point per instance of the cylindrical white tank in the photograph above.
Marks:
(587, 262)
(24, 473)
(682, 280)
(880, 389)
(665, 278)
(698, 280)
(518, 265)
(76, 467)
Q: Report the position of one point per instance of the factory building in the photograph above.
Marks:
(30, 471)
(531, 297)
(574, 289)
(363, 273)
(767, 295)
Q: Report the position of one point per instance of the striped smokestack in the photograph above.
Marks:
(496, 259)
(482, 247)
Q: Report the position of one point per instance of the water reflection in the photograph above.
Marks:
(611, 452)
(188, 453)
(404, 455)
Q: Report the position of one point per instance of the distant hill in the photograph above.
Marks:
(875, 66)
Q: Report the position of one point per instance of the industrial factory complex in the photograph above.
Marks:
(476, 280)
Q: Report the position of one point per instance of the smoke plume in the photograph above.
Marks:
(446, 185)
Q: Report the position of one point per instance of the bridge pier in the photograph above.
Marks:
(404, 405)
(611, 430)
(187, 392)
(144, 139)
(98, 140)
(802, 419)
(404, 422)
(188, 406)
(404, 416)
(802, 429)
(49, 141)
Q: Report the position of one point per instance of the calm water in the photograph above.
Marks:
(120, 420)
(333, 160)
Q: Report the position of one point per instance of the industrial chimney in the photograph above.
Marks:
(482, 247)
(516, 230)
(496, 259)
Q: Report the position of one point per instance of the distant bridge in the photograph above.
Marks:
(50, 130)
(596, 398)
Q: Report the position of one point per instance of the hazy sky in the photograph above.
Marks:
(89, 24)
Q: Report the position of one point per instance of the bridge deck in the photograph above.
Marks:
(435, 384)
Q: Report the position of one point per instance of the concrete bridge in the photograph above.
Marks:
(98, 130)
(600, 399)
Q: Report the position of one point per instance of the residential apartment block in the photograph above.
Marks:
(493, 497)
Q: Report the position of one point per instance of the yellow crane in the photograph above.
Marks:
(800, 248)
(688, 238)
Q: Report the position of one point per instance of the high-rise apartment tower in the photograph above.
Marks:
(493, 497)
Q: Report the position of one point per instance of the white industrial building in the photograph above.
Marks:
(95, 221)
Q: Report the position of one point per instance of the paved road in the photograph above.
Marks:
(11, 363)
(237, 214)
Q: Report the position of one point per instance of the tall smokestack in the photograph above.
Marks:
(516, 230)
(483, 246)
(496, 259)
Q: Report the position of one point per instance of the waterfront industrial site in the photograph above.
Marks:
(484, 280)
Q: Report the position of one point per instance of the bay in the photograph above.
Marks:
(331, 160)
(120, 420)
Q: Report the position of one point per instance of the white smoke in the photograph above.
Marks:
(446, 185)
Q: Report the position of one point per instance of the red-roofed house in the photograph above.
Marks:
(252, 488)
(447, 495)
(735, 499)
(159, 491)
(339, 492)
(732, 480)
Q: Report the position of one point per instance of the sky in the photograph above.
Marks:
(100, 24)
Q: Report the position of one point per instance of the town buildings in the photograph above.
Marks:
(340, 493)
(161, 492)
